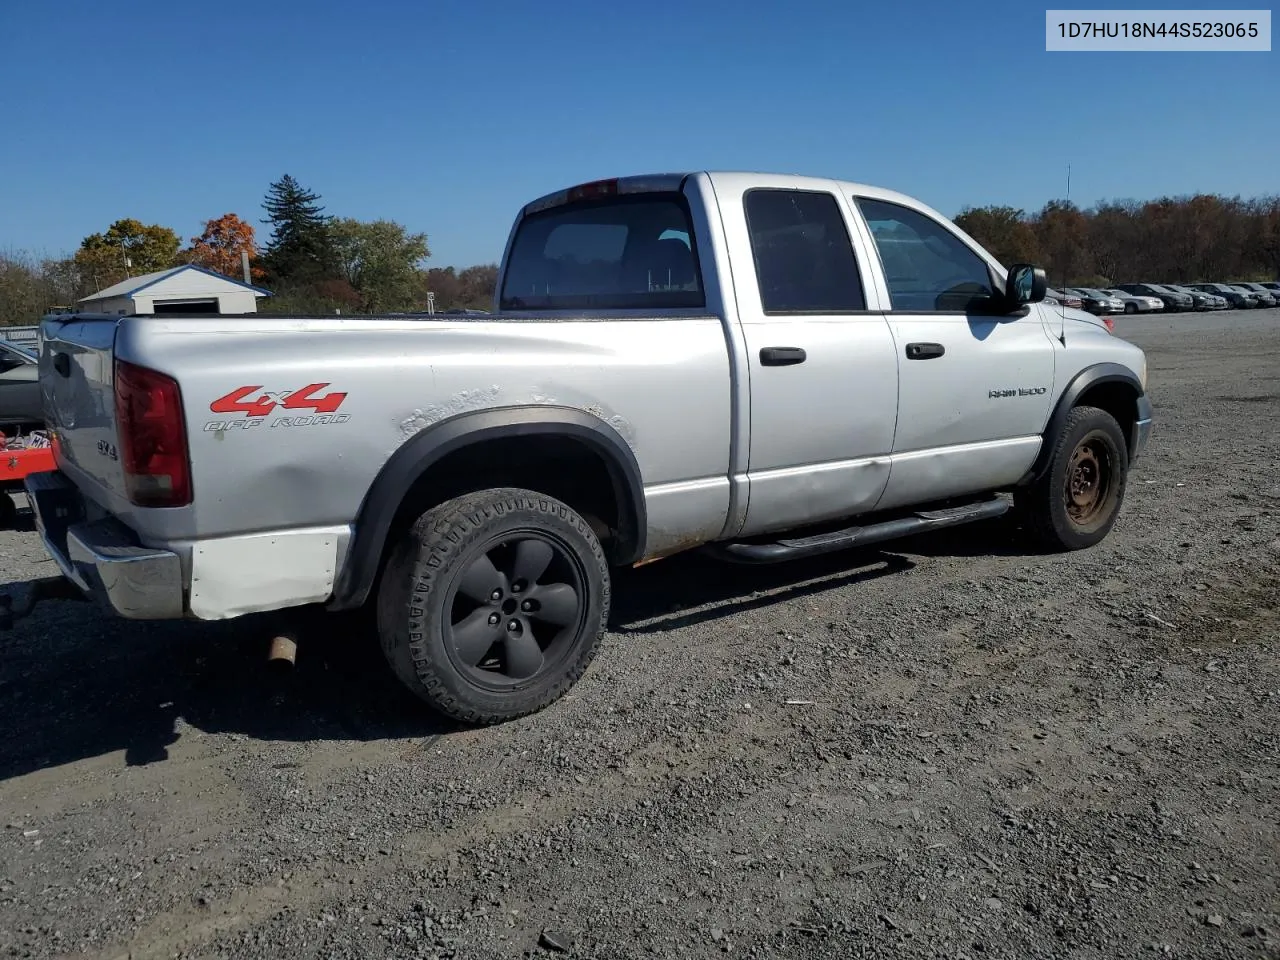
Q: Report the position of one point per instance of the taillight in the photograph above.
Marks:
(153, 437)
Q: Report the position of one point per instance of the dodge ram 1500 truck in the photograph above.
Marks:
(763, 366)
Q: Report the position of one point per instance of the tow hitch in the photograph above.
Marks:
(20, 599)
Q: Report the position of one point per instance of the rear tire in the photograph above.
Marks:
(493, 604)
(1077, 500)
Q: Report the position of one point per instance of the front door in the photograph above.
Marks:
(974, 390)
(823, 374)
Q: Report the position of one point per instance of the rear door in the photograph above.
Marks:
(974, 390)
(823, 375)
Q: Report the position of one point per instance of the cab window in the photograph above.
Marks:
(803, 256)
(928, 269)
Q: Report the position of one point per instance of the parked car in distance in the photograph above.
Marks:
(1273, 286)
(1266, 298)
(1200, 299)
(1171, 299)
(20, 402)
(1239, 299)
(1066, 298)
(1255, 298)
(1086, 302)
(1135, 302)
(1097, 302)
(750, 362)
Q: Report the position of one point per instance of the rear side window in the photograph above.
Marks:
(927, 267)
(620, 253)
(804, 259)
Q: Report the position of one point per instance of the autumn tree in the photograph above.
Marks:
(380, 260)
(1264, 236)
(1062, 232)
(128, 248)
(220, 246)
(478, 285)
(444, 283)
(1004, 231)
(300, 248)
(1113, 241)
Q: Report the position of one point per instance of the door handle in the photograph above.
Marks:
(924, 351)
(781, 356)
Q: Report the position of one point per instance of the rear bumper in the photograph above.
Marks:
(1141, 429)
(102, 557)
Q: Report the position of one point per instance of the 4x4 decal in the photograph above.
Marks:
(236, 402)
(252, 404)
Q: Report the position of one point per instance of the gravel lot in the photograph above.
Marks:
(947, 748)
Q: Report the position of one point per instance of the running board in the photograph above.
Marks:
(918, 522)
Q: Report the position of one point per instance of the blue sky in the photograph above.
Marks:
(446, 115)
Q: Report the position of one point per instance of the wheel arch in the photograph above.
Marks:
(1109, 386)
(422, 464)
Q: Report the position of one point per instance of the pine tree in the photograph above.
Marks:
(300, 247)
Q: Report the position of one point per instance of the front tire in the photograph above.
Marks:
(493, 604)
(1077, 500)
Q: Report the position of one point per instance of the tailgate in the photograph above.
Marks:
(76, 383)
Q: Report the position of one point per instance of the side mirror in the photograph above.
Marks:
(1026, 283)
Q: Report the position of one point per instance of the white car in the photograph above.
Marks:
(1135, 303)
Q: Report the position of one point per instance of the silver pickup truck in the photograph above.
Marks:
(767, 367)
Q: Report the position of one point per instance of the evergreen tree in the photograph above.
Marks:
(300, 247)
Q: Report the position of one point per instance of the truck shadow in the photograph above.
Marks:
(687, 590)
(1000, 537)
(75, 685)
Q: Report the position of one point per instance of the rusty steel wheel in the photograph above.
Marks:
(1076, 500)
(1088, 480)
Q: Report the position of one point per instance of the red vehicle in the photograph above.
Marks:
(20, 456)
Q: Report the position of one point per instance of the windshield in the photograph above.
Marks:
(621, 252)
(21, 351)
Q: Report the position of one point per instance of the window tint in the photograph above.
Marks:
(926, 266)
(619, 252)
(804, 259)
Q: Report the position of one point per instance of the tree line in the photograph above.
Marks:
(1205, 237)
(312, 262)
(317, 263)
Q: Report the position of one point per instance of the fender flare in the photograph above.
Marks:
(1091, 376)
(430, 445)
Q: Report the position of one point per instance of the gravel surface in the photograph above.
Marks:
(946, 748)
